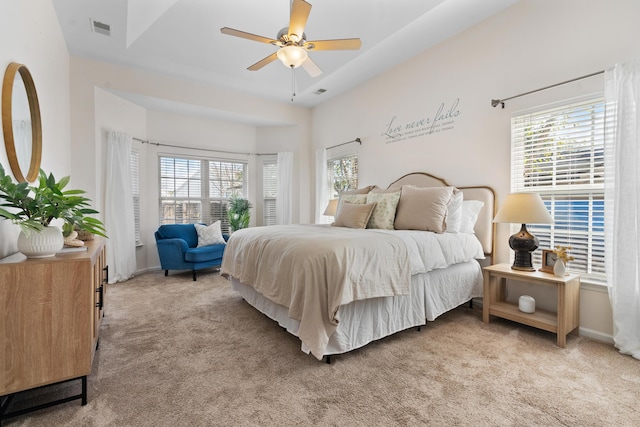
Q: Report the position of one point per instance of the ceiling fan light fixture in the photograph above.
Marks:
(292, 56)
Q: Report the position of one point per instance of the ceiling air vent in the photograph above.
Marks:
(101, 28)
(320, 91)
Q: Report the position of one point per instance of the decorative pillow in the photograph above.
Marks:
(384, 213)
(470, 212)
(209, 235)
(423, 208)
(356, 199)
(353, 215)
(454, 213)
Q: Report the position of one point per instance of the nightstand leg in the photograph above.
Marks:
(486, 298)
(562, 316)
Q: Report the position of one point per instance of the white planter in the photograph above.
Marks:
(41, 244)
(559, 268)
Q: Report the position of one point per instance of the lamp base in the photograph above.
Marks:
(517, 267)
(523, 243)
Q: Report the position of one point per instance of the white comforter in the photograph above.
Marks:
(314, 269)
(429, 251)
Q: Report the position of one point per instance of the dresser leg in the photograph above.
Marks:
(4, 405)
(84, 390)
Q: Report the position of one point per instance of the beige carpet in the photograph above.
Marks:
(174, 352)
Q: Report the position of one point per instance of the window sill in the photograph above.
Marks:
(594, 285)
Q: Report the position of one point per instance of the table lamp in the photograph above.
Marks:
(523, 208)
(331, 208)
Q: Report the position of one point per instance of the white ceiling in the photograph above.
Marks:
(182, 38)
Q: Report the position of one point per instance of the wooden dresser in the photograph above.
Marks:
(50, 315)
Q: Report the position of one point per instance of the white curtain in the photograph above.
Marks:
(283, 197)
(622, 203)
(322, 196)
(119, 219)
(22, 143)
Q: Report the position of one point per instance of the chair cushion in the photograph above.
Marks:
(204, 253)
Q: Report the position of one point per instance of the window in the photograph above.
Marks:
(198, 190)
(343, 174)
(559, 153)
(134, 166)
(269, 192)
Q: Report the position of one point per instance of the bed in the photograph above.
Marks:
(338, 288)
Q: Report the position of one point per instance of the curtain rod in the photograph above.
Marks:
(158, 144)
(496, 102)
(345, 143)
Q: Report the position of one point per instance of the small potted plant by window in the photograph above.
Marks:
(34, 208)
(238, 212)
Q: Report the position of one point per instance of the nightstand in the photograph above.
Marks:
(564, 321)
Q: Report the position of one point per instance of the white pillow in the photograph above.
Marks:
(454, 213)
(470, 212)
(209, 235)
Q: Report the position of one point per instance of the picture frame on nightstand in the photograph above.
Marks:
(548, 260)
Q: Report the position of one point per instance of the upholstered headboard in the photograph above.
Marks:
(484, 228)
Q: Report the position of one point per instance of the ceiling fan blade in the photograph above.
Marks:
(338, 44)
(266, 61)
(300, 10)
(249, 36)
(311, 67)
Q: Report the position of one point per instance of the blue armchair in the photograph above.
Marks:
(177, 249)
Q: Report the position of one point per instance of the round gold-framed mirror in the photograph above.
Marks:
(21, 125)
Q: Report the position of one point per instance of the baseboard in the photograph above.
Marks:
(147, 270)
(595, 335)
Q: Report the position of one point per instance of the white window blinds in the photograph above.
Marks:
(269, 192)
(559, 153)
(198, 190)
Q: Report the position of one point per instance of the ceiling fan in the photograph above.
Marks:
(293, 44)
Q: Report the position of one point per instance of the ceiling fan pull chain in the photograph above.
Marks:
(293, 83)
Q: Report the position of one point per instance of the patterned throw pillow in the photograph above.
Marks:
(209, 235)
(384, 214)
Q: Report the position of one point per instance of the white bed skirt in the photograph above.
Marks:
(361, 322)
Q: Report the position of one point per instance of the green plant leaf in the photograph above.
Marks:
(36, 206)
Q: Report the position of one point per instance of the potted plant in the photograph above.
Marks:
(238, 212)
(35, 207)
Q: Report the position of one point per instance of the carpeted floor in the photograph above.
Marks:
(174, 352)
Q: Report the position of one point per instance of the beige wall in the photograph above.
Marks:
(254, 125)
(533, 44)
(30, 35)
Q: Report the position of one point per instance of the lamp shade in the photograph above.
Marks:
(523, 208)
(292, 56)
(331, 208)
